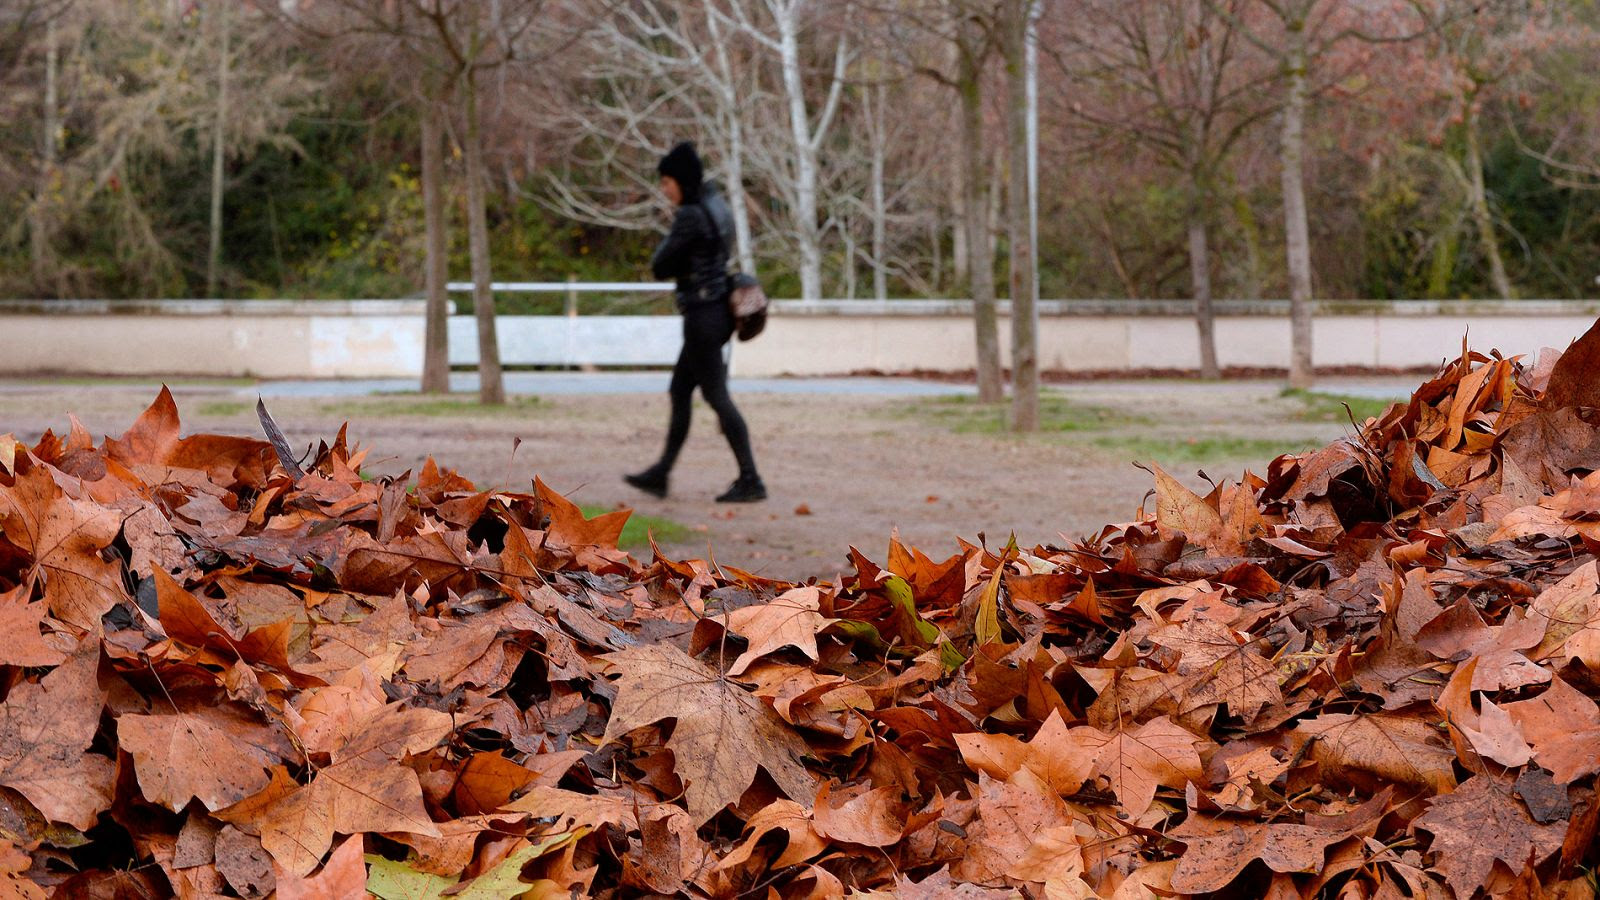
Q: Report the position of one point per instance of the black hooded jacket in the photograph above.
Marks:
(695, 252)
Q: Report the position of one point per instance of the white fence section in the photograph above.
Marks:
(571, 339)
(383, 338)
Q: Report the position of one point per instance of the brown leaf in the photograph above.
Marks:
(873, 818)
(1221, 667)
(1572, 381)
(722, 732)
(1063, 757)
(244, 864)
(64, 538)
(343, 876)
(1364, 750)
(1478, 823)
(487, 783)
(1011, 814)
(347, 798)
(1180, 509)
(1134, 763)
(788, 620)
(216, 752)
(781, 815)
(1563, 726)
(45, 732)
(1219, 849)
(28, 641)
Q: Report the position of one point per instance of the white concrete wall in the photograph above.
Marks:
(342, 339)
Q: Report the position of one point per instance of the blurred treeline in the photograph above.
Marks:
(118, 113)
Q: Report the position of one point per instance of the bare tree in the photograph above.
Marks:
(1305, 37)
(460, 51)
(968, 33)
(1175, 80)
(1023, 267)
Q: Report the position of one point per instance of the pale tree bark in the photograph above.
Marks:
(806, 142)
(959, 267)
(491, 381)
(1024, 312)
(40, 231)
(1478, 200)
(1297, 237)
(975, 203)
(880, 213)
(436, 331)
(1200, 280)
(219, 146)
(733, 124)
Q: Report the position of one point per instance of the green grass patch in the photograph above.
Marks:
(464, 406)
(636, 533)
(1317, 406)
(1200, 450)
(965, 415)
(226, 408)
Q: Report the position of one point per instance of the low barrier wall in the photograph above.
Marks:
(383, 338)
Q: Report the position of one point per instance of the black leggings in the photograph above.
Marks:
(706, 327)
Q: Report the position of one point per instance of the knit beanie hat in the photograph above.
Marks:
(683, 165)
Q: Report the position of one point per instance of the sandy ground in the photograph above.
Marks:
(862, 466)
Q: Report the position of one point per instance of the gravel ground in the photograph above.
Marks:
(845, 467)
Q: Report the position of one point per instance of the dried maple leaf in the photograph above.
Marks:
(1220, 667)
(1134, 763)
(344, 875)
(346, 798)
(26, 644)
(1378, 749)
(64, 537)
(45, 732)
(1478, 823)
(1563, 726)
(1460, 632)
(197, 747)
(787, 620)
(1011, 814)
(1220, 848)
(1062, 756)
(1180, 509)
(1490, 733)
(722, 732)
(793, 820)
(872, 818)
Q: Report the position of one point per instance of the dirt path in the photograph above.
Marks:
(935, 468)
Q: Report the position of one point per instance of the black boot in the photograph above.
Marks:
(652, 481)
(747, 489)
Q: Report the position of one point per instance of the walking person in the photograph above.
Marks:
(695, 254)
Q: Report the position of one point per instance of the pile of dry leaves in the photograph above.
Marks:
(1370, 673)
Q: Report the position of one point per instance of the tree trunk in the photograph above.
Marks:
(436, 337)
(880, 212)
(1297, 239)
(40, 235)
(732, 116)
(218, 149)
(491, 383)
(960, 270)
(1479, 201)
(975, 204)
(1200, 280)
(1024, 312)
(805, 211)
(1250, 232)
